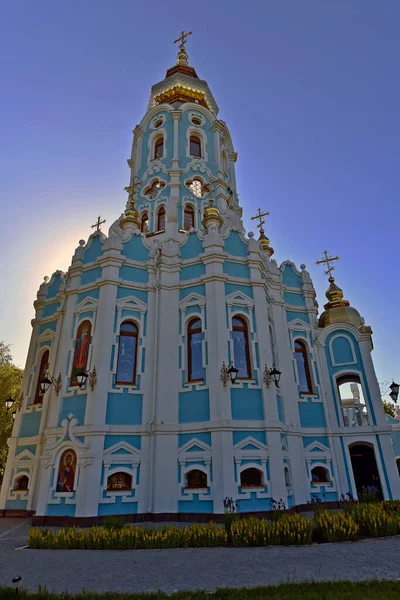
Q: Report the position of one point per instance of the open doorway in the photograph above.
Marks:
(365, 469)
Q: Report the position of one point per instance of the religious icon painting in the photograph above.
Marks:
(81, 353)
(66, 471)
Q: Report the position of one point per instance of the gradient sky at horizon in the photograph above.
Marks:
(310, 92)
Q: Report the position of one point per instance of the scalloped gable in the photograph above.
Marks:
(134, 249)
(192, 247)
(235, 246)
(53, 286)
(290, 275)
(93, 248)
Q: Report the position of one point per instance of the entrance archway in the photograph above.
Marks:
(364, 466)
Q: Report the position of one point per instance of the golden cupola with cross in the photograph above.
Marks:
(337, 309)
(182, 84)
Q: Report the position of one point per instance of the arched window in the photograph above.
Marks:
(354, 410)
(66, 471)
(287, 477)
(196, 479)
(81, 353)
(21, 483)
(241, 352)
(320, 475)
(195, 146)
(194, 351)
(251, 478)
(303, 367)
(118, 482)
(127, 353)
(144, 222)
(161, 219)
(188, 217)
(159, 148)
(41, 375)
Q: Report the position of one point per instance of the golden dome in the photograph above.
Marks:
(264, 241)
(211, 214)
(338, 310)
(131, 219)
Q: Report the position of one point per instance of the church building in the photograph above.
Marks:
(176, 365)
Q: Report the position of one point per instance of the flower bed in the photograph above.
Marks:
(369, 520)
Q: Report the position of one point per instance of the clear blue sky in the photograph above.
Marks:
(310, 90)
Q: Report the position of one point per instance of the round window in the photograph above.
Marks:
(197, 121)
(157, 123)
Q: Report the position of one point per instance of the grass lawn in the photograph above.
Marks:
(338, 590)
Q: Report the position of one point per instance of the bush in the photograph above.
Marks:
(129, 538)
(288, 530)
(335, 527)
(374, 520)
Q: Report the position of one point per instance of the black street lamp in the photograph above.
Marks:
(44, 385)
(233, 373)
(273, 375)
(394, 391)
(81, 377)
(8, 403)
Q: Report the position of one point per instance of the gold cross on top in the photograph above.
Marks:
(98, 223)
(182, 39)
(260, 216)
(327, 260)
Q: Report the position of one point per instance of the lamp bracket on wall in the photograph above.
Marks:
(83, 376)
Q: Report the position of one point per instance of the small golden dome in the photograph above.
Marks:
(131, 219)
(264, 241)
(211, 214)
(338, 310)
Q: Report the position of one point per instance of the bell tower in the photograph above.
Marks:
(181, 157)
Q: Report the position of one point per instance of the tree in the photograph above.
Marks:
(389, 408)
(10, 385)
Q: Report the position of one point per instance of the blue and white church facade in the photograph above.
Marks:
(135, 340)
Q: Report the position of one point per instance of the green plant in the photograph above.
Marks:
(335, 527)
(374, 520)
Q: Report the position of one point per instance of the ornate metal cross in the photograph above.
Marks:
(98, 223)
(260, 216)
(182, 39)
(327, 260)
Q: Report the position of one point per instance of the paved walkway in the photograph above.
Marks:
(183, 569)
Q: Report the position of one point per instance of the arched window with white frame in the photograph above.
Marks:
(194, 350)
(303, 367)
(127, 353)
(251, 478)
(158, 147)
(161, 219)
(188, 217)
(195, 145)
(44, 363)
(196, 479)
(320, 475)
(241, 348)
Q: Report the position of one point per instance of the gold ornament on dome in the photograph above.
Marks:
(264, 241)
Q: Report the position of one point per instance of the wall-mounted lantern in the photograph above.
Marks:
(49, 380)
(228, 374)
(83, 376)
(272, 375)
